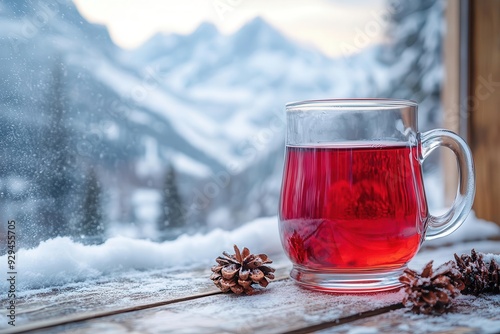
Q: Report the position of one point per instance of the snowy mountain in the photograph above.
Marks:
(209, 104)
(236, 80)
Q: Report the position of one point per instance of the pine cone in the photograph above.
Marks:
(432, 292)
(239, 271)
(494, 284)
(478, 276)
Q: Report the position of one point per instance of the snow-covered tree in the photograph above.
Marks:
(57, 162)
(172, 209)
(414, 55)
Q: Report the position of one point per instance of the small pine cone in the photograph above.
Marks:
(478, 276)
(239, 271)
(431, 291)
(494, 284)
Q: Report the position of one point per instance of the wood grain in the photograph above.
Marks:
(128, 292)
(185, 301)
(484, 103)
(469, 315)
(282, 307)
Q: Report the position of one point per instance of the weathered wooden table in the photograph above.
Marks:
(184, 300)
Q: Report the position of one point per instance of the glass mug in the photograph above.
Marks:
(353, 210)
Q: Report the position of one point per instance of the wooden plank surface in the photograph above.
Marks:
(109, 295)
(130, 289)
(186, 301)
(469, 315)
(282, 307)
(484, 102)
(196, 307)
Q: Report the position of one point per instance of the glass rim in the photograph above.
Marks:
(351, 103)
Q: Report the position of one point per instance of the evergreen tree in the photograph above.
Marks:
(91, 211)
(172, 210)
(57, 162)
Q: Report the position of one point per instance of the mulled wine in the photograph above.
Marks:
(352, 207)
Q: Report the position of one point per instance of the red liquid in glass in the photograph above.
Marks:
(352, 208)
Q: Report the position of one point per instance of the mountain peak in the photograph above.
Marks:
(258, 25)
(259, 33)
(206, 29)
(257, 21)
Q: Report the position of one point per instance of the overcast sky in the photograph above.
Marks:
(326, 24)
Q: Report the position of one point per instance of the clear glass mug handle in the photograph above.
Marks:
(443, 225)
